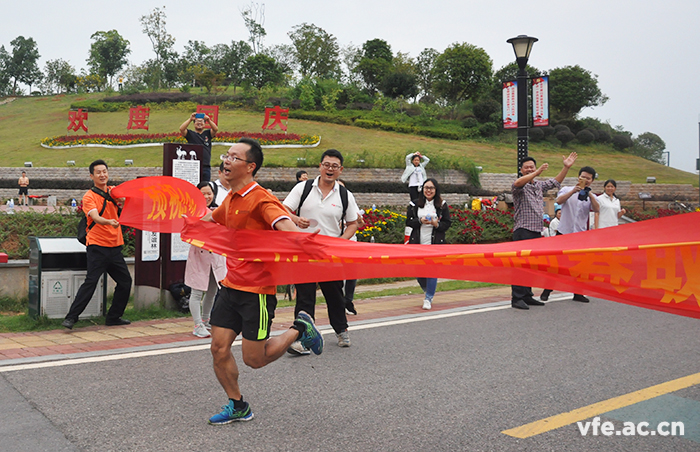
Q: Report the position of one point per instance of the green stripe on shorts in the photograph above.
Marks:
(264, 320)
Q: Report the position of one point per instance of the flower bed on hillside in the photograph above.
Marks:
(468, 226)
(132, 139)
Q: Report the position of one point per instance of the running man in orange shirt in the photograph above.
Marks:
(249, 310)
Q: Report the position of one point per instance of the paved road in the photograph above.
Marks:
(453, 380)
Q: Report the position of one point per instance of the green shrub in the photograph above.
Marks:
(536, 134)
(16, 229)
(564, 136)
(585, 136)
(92, 105)
(488, 129)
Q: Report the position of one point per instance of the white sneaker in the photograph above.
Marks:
(298, 349)
(207, 325)
(201, 331)
(427, 304)
(343, 339)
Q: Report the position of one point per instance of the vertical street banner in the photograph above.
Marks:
(510, 105)
(540, 101)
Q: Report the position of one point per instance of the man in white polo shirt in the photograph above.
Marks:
(324, 204)
(577, 203)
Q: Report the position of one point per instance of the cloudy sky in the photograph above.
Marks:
(641, 50)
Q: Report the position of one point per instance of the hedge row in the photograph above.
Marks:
(391, 126)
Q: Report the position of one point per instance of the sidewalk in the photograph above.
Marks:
(14, 346)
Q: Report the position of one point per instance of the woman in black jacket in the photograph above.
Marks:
(429, 216)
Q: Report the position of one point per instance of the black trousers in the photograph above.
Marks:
(521, 292)
(547, 292)
(414, 192)
(335, 302)
(102, 259)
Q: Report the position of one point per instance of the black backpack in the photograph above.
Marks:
(343, 199)
(181, 294)
(83, 227)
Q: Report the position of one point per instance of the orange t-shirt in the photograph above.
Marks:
(102, 234)
(252, 207)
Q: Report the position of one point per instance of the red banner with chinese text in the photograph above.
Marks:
(630, 264)
(653, 264)
(158, 203)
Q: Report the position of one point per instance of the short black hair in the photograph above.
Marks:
(333, 153)
(299, 174)
(96, 163)
(221, 166)
(528, 159)
(610, 181)
(254, 154)
(587, 169)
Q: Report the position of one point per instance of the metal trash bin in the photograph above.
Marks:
(57, 269)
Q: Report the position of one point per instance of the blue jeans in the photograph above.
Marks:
(429, 285)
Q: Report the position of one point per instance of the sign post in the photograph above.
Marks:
(161, 258)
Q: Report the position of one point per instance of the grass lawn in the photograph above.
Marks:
(28, 120)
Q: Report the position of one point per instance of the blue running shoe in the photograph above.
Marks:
(311, 338)
(231, 414)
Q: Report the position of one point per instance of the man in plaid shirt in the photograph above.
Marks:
(528, 199)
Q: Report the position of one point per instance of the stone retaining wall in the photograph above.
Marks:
(493, 183)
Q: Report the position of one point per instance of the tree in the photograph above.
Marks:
(89, 83)
(507, 73)
(400, 84)
(316, 51)
(193, 62)
(196, 52)
(401, 80)
(4, 74)
(108, 53)
(649, 146)
(351, 56)
(254, 19)
(261, 70)
(59, 76)
(375, 63)
(22, 64)
(162, 42)
(230, 60)
(461, 72)
(283, 54)
(572, 89)
(622, 141)
(424, 69)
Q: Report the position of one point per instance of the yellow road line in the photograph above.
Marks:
(596, 409)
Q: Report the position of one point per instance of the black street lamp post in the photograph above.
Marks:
(522, 45)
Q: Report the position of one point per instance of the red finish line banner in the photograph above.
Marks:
(633, 264)
(628, 264)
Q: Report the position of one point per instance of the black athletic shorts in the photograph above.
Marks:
(243, 312)
(23, 190)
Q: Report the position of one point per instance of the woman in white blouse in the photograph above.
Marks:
(415, 173)
(429, 216)
(610, 211)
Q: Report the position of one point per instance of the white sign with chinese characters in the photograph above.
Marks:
(178, 249)
(150, 246)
